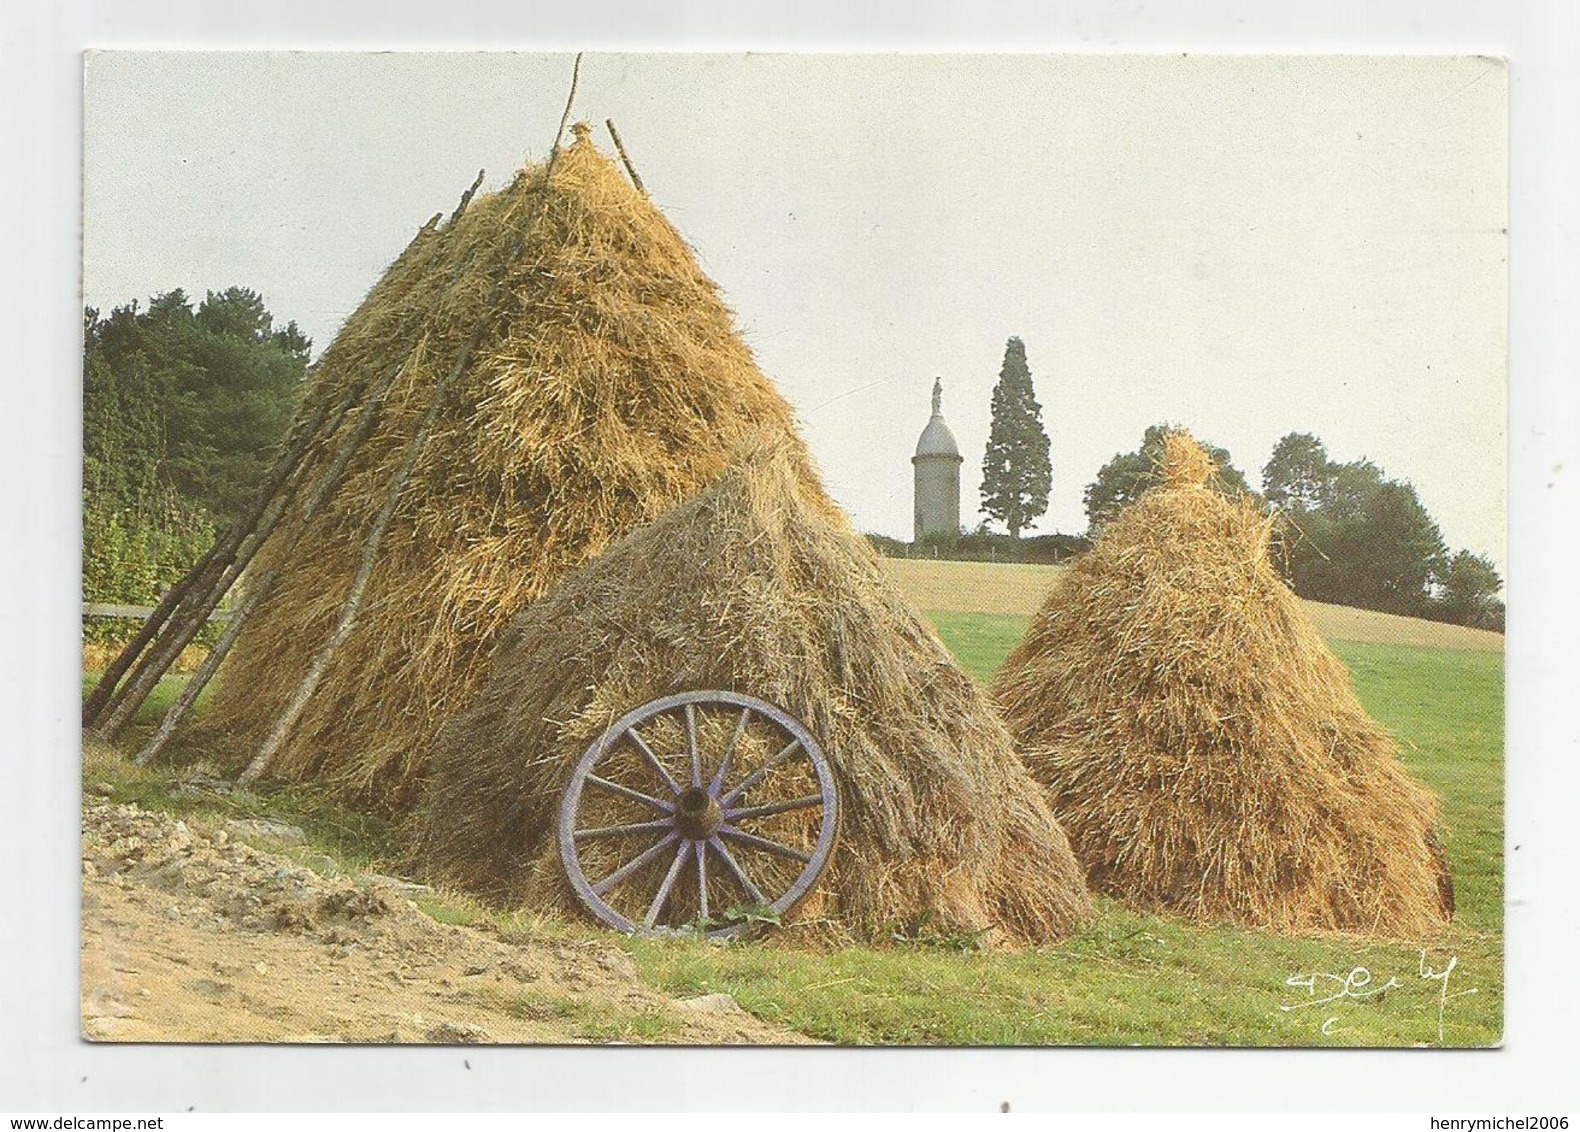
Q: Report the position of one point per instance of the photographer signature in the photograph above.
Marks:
(1360, 985)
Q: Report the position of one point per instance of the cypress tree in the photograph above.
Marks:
(1017, 470)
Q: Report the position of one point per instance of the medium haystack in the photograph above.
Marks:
(760, 586)
(592, 378)
(1202, 747)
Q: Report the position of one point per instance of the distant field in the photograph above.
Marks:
(1018, 589)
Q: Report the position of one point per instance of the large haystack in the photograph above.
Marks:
(760, 586)
(608, 383)
(1203, 748)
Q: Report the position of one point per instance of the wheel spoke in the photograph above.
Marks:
(735, 868)
(631, 866)
(729, 752)
(662, 898)
(702, 883)
(774, 808)
(634, 795)
(652, 760)
(691, 745)
(623, 830)
(639, 825)
(763, 772)
(764, 844)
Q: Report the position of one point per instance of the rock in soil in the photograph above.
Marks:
(265, 830)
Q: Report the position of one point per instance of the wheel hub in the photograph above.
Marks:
(698, 814)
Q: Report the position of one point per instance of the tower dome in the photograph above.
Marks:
(936, 439)
(937, 463)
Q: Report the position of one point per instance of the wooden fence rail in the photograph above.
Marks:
(136, 612)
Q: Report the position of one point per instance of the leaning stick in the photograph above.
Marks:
(326, 483)
(466, 199)
(321, 491)
(216, 558)
(636, 178)
(352, 605)
(570, 99)
(203, 675)
(107, 683)
(193, 615)
(108, 693)
(124, 704)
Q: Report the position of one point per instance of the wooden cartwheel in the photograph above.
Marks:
(702, 813)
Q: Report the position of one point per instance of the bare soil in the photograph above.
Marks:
(194, 935)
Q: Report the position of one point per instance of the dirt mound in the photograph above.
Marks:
(192, 935)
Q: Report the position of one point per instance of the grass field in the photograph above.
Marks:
(1127, 979)
(1133, 979)
(1019, 589)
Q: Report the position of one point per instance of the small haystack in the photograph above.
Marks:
(592, 378)
(759, 585)
(1202, 746)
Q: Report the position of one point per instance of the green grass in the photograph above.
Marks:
(1446, 709)
(1133, 979)
(1126, 979)
(591, 1020)
(980, 641)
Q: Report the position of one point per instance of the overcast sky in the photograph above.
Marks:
(1247, 246)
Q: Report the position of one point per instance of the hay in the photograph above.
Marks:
(1203, 748)
(760, 585)
(608, 384)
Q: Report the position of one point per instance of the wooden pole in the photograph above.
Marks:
(264, 585)
(466, 199)
(107, 691)
(193, 614)
(199, 679)
(352, 605)
(216, 558)
(115, 710)
(636, 178)
(570, 99)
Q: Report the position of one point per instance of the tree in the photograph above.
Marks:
(1354, 537)
(1396, 552)
(209, 392)
(182, 411)
(1017, 469)
(1470, 592)
(1299, 476)
(1129, 475)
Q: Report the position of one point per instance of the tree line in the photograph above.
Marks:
(183, 407)
(1346, 532)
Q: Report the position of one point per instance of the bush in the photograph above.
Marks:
(984, 546)
(131, 556)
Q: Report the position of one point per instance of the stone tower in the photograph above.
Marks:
(937, 463)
